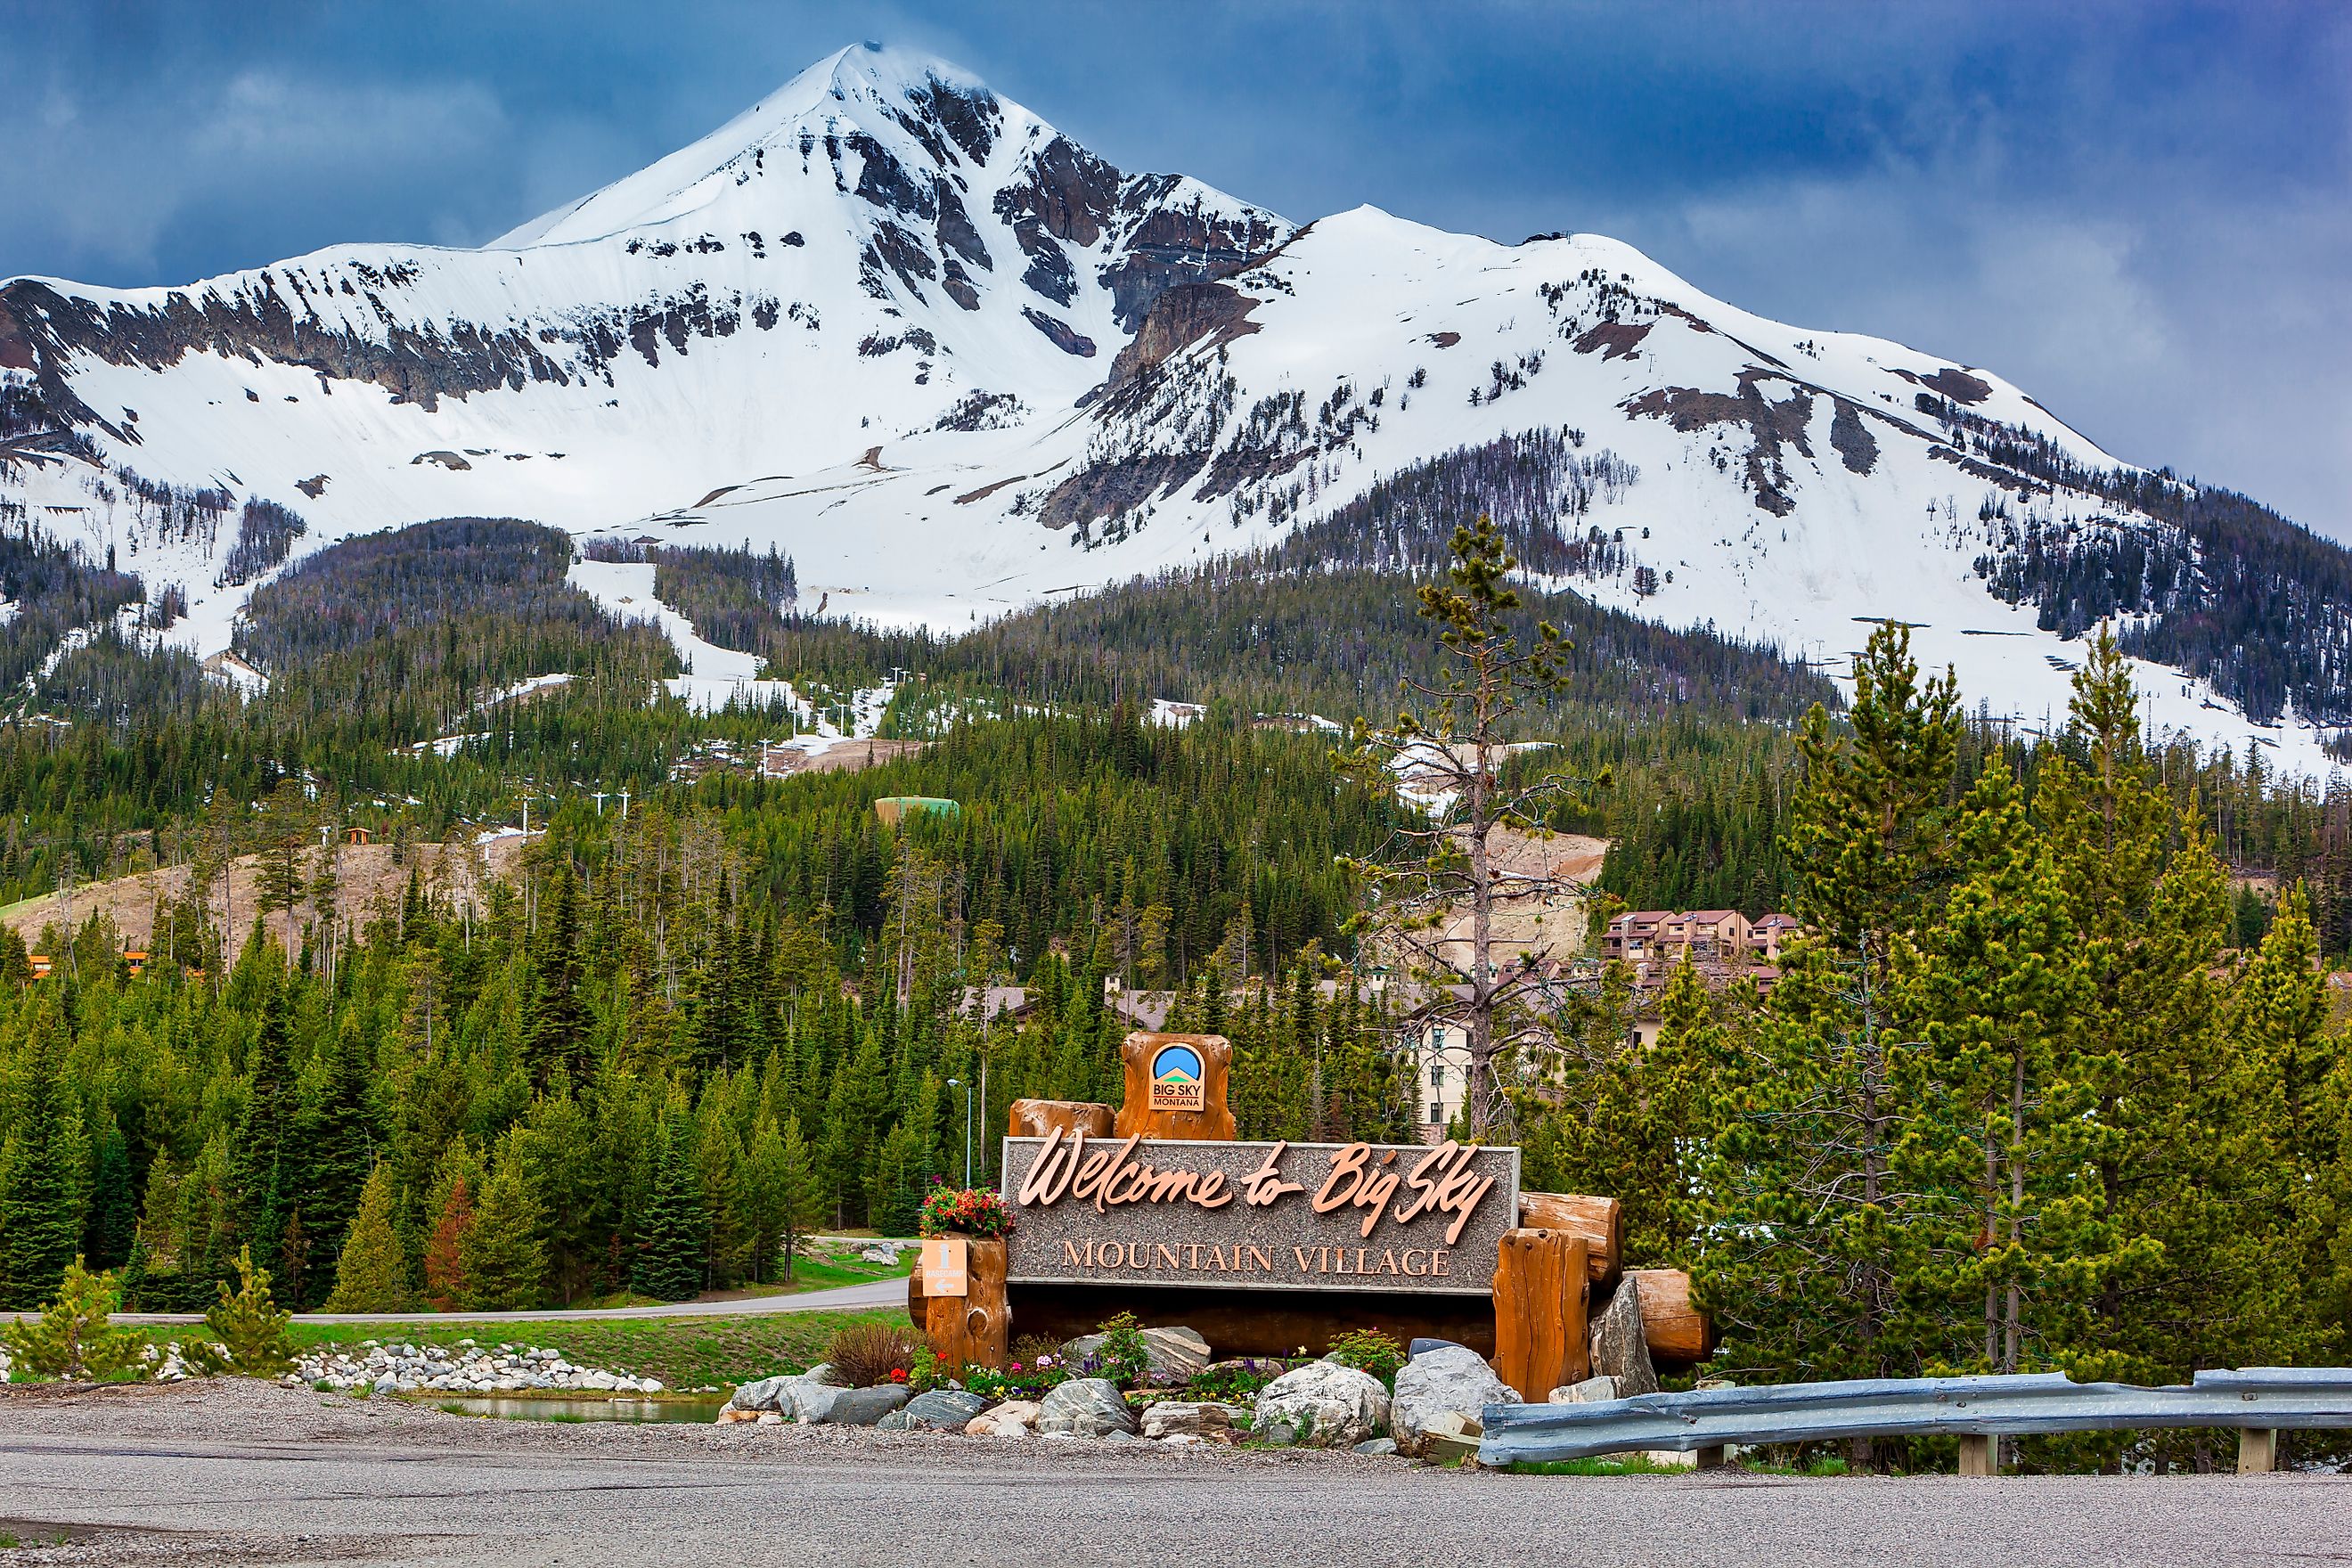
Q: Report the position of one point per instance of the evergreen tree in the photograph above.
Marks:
(555, 1026)
(503, 1258)
(799, 1195)
(369, 1271)
(266, 1175)
(451, 1221)
(40, 1209)
(1815, 1247)
(113, 1212)
(248, 1325)
(340, 1149)
(668, 1263)
(2013, 1220)
(73, 1337)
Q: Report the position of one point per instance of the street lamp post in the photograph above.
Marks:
(958, 1083)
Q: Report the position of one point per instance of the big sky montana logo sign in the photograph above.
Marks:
(1177, 1079)
(1258, 1217)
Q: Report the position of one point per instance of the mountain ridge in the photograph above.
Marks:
(952, 363)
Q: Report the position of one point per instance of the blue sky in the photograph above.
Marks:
(2141, 213)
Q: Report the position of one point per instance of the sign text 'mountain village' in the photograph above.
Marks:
(1272, 1216)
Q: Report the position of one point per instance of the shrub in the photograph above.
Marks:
(73, 1338)
(1368, 1350)
(1124, 1355)
(1236, 1382)
(972, 1211)
(865, 1355)
(247, 1330)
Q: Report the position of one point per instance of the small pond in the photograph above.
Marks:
(520, 1407)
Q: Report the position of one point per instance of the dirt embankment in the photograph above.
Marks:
(363, 872)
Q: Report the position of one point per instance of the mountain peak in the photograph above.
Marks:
(887, 93)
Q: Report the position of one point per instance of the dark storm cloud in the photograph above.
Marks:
(2142, 214)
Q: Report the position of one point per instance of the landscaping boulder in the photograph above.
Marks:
(1190, 1419)
(1321, 1406)
(1619, 1348)
(803, 1396)
(1422, 1346)
(865, 1406)
(1378, 1447)
(1175, 1355)
(1592, 1391)
(1013, 1418)
(1084, 1407)
(939, 1410)
(1446, 1382)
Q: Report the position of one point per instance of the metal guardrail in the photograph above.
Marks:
(2257, 1400)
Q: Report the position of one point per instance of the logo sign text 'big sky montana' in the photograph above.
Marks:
(1258, 1217)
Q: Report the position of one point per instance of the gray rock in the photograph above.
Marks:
(803, 1396)
(865, 1406)
(1379, 1446)
(1175, 1355)
(1422, 1347)
(1190, 1419)
(943, 1409)
(1447, 1382)
(1084, 1407)
(1619, 1349)
(1592, 1391)
(1321, 1406)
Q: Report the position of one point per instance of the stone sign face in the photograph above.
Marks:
(1258, 1217)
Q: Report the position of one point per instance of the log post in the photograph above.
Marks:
(1675, 1330)
(1037, 1118)
(1540, 1300)
(974, 1329)
(1601, 1221)
(2257, 1451)
(1176, 1087)
(916, 1311)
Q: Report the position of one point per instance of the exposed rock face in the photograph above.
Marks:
(1321, 1406)
(1183, 315)
(1620, 1350)
(1084, 1407)
(1438, 1391)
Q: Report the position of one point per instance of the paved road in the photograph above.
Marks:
(877, 1293)
(305, 1498)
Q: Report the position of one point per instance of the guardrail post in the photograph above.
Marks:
(2257, 1451)
(1978, 1456)
(1710, 1458)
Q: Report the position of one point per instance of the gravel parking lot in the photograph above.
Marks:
(242, 1472)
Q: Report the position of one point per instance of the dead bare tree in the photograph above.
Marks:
(1447, 751)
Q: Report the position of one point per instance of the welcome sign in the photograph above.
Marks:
(1258, 1217)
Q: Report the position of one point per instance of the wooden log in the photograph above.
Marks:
(2257, 1451)
(1676, 1331)
(915, 1309)
(976, 1328)
(1037, 1118)
(1539, 1298)
(1601, 1221)
(1978, 1456)
(1207, 1120)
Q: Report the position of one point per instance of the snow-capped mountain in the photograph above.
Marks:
(953, 363)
